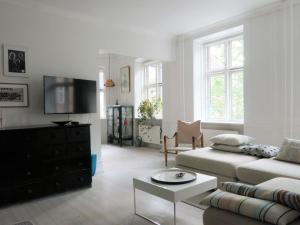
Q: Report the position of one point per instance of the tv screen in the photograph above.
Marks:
(67, 95)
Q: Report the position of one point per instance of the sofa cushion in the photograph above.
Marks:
(290, 151)
(261, 210)
(213, 216)
(282, 183)
(231, 139)
(228, 148)
(213, 161)
(266, 169)
(278, 195)
(261, 151)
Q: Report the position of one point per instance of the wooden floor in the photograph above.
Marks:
(110, 200)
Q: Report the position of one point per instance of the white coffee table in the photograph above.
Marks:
(173, 193)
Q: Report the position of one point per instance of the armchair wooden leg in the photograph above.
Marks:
(166, 151)
(166, 158)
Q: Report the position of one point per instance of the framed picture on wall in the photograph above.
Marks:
(15, 61)
(13, 95)
(125, 79)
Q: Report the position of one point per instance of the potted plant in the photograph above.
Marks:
(147, 111)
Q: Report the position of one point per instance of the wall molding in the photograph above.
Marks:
(239, 19)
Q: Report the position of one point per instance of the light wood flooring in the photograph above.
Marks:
(110, 200)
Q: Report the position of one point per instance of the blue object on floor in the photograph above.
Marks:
(94, 163)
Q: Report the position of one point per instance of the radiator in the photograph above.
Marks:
(208, 133)
(150, 134)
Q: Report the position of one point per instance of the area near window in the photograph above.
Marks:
(102, 101)
(153, 83)
(222, 79)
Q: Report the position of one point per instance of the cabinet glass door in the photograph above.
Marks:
(127, 130)
(110, 118)
(116, 122)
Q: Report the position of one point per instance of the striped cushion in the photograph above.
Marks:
(261, 210)
(287, 198)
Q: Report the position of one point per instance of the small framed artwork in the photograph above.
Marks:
(125, 79)
(15, 61)
(13, 95)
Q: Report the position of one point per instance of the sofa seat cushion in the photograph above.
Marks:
(283, 183)
(266, 169)
(213, 161)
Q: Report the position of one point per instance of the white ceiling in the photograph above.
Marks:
(163, 17)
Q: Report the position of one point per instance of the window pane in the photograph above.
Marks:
(152, 74)
(237, 93)
(216, 57)
(237, 53)
(159, 75)
(216, 108)
(102, 105)
(159, 94)
(101, 79)
(151, 93)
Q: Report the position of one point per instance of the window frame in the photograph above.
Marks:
(157, 85)
(227, 71)
(102, 90)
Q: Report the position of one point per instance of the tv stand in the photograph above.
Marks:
(41, 160)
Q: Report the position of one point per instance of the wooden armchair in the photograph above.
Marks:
(188, 134)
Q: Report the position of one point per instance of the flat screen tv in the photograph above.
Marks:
(69, 96)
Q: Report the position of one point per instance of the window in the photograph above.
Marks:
(102, 94)
(153, 83)
(223, 79)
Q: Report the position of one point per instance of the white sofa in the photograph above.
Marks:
(228, 166)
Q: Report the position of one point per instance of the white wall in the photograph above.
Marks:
(66, 47)
(271, 74)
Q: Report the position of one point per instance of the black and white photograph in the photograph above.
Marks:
(15, 61)
(13, 95)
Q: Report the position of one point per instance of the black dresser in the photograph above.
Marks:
(42, 160)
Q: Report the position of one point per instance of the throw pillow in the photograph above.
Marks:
(290, 151)
(227, 148)
(283, 197)
(261, 210)
(231, 139)
(262, 151)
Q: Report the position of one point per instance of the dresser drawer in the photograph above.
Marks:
(28, 191)
(56, 167)
(26, 172)
(79, 134)
(55, 184)
(80, 148)
(5, 196)
(27, 155)
(55, 151)
(81, 163)
(79, 179)
(53, 136)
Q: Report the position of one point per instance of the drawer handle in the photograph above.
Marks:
(80, 163)
(57, 168)
(29, 191)
(28, 156)
(28, 173)
(81, 179)
(77, 133)
(57, 184)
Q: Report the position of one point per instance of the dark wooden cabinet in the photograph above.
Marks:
(43, 160)
(120, 124)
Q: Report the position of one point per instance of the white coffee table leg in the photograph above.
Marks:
(174, 213)
(146, 218)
